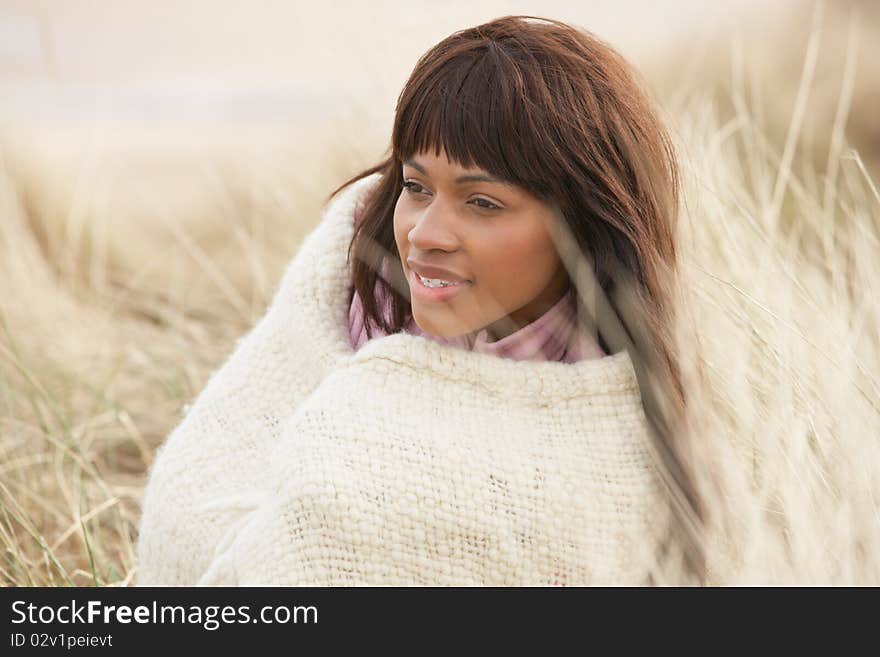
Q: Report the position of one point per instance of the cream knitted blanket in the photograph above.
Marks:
(406, 463)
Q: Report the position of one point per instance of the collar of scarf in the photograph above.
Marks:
(554, 336)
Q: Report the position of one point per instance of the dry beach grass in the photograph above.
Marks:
(126, 275)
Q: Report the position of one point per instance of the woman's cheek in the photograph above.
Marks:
(400, 227)
(507, 257)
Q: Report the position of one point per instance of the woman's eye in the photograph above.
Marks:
(415, 188)
(409, 186)
(489, 205)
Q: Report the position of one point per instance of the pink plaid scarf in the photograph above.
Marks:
(552, 336)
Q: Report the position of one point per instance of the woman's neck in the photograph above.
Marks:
(527, 314)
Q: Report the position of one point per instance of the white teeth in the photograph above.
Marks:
(435, 282)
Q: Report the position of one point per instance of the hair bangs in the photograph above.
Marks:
(469, 107)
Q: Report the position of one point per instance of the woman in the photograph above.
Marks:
(503, 404)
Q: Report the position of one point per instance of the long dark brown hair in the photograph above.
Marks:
(556, 111)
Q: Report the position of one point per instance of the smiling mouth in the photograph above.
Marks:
(438, 282)
(439, 293)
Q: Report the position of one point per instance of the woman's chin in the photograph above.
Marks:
(440, 329)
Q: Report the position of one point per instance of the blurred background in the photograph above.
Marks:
(160, 163)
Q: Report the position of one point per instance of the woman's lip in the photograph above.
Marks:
(434, 294)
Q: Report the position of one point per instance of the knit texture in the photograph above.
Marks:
(407, 462)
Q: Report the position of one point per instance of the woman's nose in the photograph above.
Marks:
(433, 228)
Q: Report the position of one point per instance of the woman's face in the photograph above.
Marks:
(492, 238)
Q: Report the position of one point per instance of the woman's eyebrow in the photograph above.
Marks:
(461, 179)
